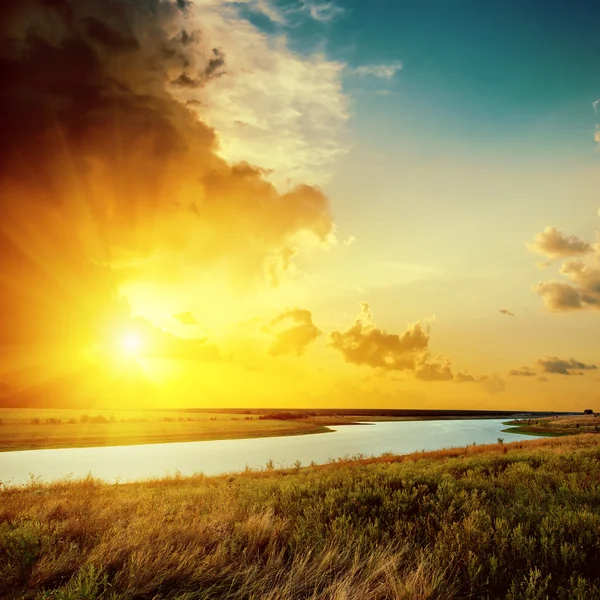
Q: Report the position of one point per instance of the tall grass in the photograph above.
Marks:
(517, 521)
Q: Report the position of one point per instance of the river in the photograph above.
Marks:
(132, 463)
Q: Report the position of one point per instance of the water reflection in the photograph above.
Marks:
(130, 463)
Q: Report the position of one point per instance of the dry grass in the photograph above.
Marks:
(29, 429)
(514, 521)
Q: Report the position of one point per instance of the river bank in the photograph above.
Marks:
(484, 521)
(36, 429)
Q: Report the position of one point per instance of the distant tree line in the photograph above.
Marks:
(286, 416)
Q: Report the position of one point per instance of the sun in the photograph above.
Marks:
(131, 343)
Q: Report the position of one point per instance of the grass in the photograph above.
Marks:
(555, 426)
(514, 521)
(31, 429)
(35, 429)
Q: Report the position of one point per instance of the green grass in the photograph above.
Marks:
(555, 426)
(516, 521)
(525, 431)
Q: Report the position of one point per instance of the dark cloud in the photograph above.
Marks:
(293, 331)
(465, 378)
(523, 372)
(554, 244)
(434, 371)
(583, 291)
(365, 344)
(503, 311)
(564, 367)
(102, 168)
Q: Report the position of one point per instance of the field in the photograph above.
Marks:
(517, 521)
(28, 429)
(557, 425)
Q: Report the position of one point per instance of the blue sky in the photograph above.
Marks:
(512, 72)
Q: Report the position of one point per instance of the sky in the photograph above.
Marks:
(300, 204)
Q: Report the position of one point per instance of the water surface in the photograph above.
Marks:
(131, 463)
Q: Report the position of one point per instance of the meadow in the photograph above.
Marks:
(507, 521)
(556, 425)
(32, 429)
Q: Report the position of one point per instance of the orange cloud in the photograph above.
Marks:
(582, 292)
(293, 331)
(554, 244)
(106, 171)
(365, 344)
(434, 371)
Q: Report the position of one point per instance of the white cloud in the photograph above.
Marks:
(324, 11)
(382, 71)
(271, 107)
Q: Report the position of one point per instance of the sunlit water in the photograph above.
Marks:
(130, 463)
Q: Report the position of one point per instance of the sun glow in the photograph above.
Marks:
(131, 343)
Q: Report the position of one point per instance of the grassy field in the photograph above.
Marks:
(28, 429)
(517, 521)
(556, 426)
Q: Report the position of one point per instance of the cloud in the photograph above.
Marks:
(351, 240)
(503, 311)
(365, 344)
(492, 384)
(293, 331)
(564, 367)
(583, 291)
(381, 71)
(272, 107)
(554, 244)
(322, 11)
(434, 371)
(106, 112)
(186, 318)
(523, 372)
(266, 8)
(542, 379)
(466, 378)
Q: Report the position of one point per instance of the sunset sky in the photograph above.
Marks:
(300, 204)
